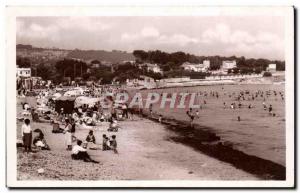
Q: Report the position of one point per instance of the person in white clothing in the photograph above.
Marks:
(80, 153)
(68, 135)
(26, 135)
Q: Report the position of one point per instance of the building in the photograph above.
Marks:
(141, 82)
(204, 67)
(154, 68)
(95, 65)
(271, 68)
(24, 72)
(206, 64)
(228, 64)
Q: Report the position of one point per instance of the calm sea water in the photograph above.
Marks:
(258, 133)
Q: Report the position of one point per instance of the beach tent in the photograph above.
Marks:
(65, 102)
(83, 100)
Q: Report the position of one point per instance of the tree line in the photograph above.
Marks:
(173, 61)
(170, 63)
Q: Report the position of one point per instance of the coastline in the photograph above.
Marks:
(205, 141)
(203, 82)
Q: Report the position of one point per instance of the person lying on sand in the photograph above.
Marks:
(79, 153)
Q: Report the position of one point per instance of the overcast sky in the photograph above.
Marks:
(249, 36)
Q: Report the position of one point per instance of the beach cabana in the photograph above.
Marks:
(65, 102)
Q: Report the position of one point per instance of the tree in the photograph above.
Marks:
(267, 74)
(241, 62)
(166, 67)
(70, 68)
(235, 70)
(45, 71)
(23, 62)
(140, 55)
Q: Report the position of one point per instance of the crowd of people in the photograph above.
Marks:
(89, 117)
(242, 99)
(83, 117)
(234, 100)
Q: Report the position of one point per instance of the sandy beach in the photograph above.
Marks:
(145, 153)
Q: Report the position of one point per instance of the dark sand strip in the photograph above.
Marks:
(204, 140)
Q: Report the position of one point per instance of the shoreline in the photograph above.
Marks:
(217, 82)
(205, 141)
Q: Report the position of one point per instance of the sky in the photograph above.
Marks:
(249, 36)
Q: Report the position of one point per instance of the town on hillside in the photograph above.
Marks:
(140, 69)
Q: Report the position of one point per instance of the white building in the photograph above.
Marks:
(204, 67)
(227, 64)
(271, 68)
(95, 65)
(206, 64)
(154, 68)
(141, 82)
(23, 72)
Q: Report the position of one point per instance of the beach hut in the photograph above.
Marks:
(65, 102)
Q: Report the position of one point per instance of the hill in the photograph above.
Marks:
(101, 55)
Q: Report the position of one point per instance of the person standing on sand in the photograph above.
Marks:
(73, 128)
(125, 110)
(113, 111)
(191, 116)
(68, 135)
(104, 143)
(160, 118)
(26, 135)
(113, 144)
(270, 109)
(151, 109)
(197, 114)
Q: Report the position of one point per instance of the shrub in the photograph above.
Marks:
(267, 74)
